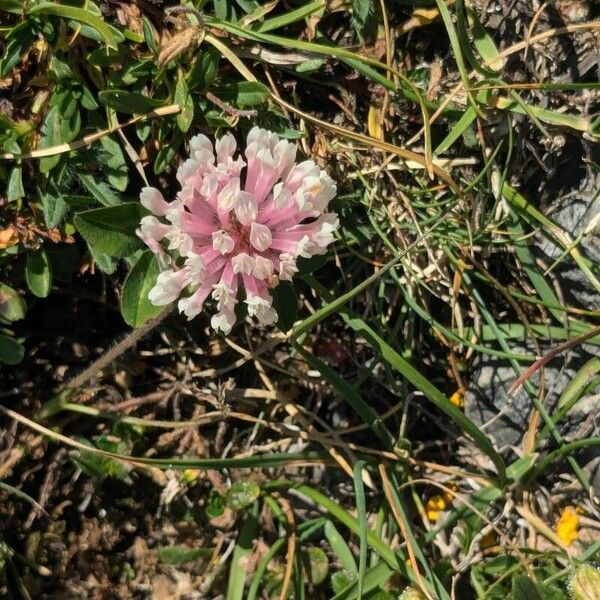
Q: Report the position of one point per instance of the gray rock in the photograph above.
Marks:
(574, 215)
(505, 418)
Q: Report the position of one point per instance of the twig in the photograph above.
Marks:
(108, 357)
(543, 360)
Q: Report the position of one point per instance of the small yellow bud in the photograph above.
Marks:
(457, 399)
(189, 476)
(585, 584)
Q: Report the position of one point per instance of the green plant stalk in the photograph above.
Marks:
(361, 510)
(564, 450)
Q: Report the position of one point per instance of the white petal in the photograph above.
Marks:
(260, 236)
(260, 308)
(263, 267)
(225, 148)
(153, 200)
(224, 321)
(226, 197)
(201, 149)
(222, 242)
(304, 247)
(287, 267)
(192, 306)
(168, 287)
(245, 208)
(195, 266)
(151, 228)
(324, 236)
(223, 294)
(242, 263)
(187, 170)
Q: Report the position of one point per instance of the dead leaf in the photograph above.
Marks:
(129, 16)
(187, 39)
(8, 237)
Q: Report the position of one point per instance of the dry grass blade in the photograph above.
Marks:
(387, 490)
(291, 546)
(346, 133)
(87, 140)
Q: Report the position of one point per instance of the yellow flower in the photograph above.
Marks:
(458, 399)
(568, 525)
(436, 504)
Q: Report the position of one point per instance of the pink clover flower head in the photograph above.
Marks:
(237, 224)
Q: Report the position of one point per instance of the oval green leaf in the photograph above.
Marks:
(38, 273)
(11, 351)
(243, 93)
(111, 230)
(111, 35)
(318, 565)
(12, 305)
(135, 306)
(128, 102)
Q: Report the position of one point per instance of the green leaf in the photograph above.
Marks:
(375, 577)
(215, 505)
(128, 102)
(112, 229)
(340, 548)
(285, 302)
(61, 125)
(341, 580)
(204, 70)
(248, 6)
(243, 93)
(363, 18)
(99, 466)
(106, 263)
(587, 374)
(242, 494)
(241, 552)
(87, 99)
(99, 189)
(11, 351)
(18, 42)
(309, 66)
(111, 36)
(114, 165)
(179, 555)
(318, 565)
(167, 153)
(54, 206)
(182, 97)
(149, 35)
(524, 588)
(361, 509)
(135, 306)
(12, 305)
(38, 273)
(15, 190)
